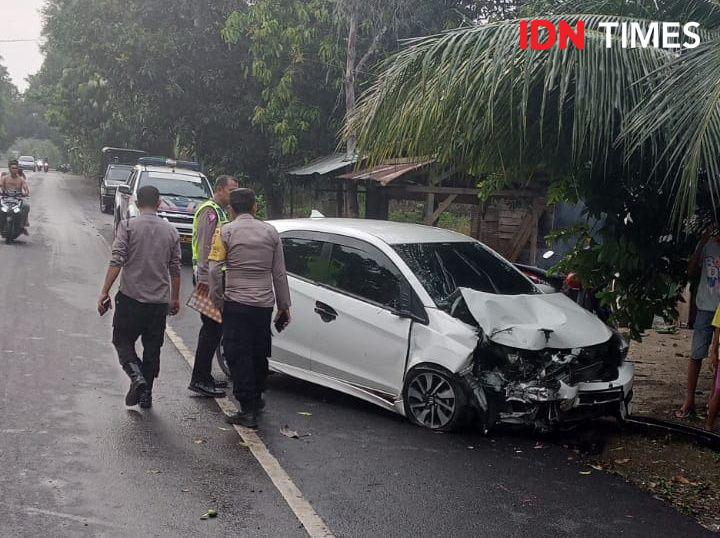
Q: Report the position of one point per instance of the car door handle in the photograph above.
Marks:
(327, 313)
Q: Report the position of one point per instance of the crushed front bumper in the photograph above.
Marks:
(546, 406)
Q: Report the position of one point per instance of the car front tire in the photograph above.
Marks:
(435, 399)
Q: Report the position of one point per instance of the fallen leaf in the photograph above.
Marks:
(680, 479)
(622, 461)
(617, 448)
(597, 467)
(223, 429)
(304, 413)
(471, 448)
(199, 441)
(539, 445)
(585, 472)
(153, 471)
(212, 512)
(287, 432)
(185, 490)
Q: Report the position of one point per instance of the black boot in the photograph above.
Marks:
(137, 383)
(206, 389)
(247, 416)
(247, 419)
(146, 396)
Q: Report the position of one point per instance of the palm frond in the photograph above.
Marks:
(474, 98)
(684, 111)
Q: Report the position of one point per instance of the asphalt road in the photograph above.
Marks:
(75, 462)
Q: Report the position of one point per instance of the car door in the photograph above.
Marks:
(122, 200)
(306, 258)
(361, 339)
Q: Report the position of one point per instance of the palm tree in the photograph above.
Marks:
(473, 98)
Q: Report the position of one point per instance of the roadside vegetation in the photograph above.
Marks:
(253, 89)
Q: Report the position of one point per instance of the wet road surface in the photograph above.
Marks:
(75, 462)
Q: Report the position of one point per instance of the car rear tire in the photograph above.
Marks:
(435, 399)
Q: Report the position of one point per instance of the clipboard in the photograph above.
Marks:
(204, 305)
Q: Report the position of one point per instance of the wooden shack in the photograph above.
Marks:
(513, 221)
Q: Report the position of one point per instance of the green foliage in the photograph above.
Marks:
(588, 120)
(38, 148)
(294, 59)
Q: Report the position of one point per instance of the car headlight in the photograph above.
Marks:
(103, 190)
(16, 209)
(4, 209)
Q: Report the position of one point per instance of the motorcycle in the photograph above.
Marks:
(11, 215)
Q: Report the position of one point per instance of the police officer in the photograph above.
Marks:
(146, 256)
(252, 254)
(209, 216)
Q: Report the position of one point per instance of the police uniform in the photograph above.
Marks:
(209, 217)
(255, 279)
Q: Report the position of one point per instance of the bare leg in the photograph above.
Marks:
(694, 367)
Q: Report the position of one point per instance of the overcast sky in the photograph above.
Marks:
(21, 20)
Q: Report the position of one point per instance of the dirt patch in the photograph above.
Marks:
(672, 469)
(661, 373)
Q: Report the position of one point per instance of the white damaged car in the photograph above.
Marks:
(435, 326)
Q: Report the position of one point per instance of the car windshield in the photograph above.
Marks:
(118, 175)
(27, 159)
(170, 185)
(442, 268)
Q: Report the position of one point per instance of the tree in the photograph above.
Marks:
(587, 120)
(310, 56)
(7, 93)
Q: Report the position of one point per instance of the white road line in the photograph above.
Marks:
(313, 523)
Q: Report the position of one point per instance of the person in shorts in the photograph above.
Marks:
(705, 265)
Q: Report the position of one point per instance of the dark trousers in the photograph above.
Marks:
(133, 320)
(208, 341)
(246, 340)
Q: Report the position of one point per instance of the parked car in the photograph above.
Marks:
(183, 188)
(115, 175)
(27, 162)
(435, 326)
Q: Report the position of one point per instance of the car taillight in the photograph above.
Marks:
(572, 281)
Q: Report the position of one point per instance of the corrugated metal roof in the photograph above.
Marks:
(325, 165)
(385, 173)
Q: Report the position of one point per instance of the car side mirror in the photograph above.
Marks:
(125, 189)
(411, 307)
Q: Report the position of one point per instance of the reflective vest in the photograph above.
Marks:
(222, 219)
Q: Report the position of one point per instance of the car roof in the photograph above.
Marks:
(169, 170)
(26, 158)
(123, 166)
(389, 232)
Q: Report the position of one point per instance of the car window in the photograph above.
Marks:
(117, 175)
(364, 272)
(444, 267)
(174, 185)
(303, 258)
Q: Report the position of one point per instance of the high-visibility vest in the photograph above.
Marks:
(222, 219)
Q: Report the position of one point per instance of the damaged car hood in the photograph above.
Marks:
(535, 322)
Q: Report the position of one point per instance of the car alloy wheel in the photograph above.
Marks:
(434, 399)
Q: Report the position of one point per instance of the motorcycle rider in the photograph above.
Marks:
(15, 182)
(210, 216)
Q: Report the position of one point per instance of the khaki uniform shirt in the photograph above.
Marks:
(148, 250)
(255, 265)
